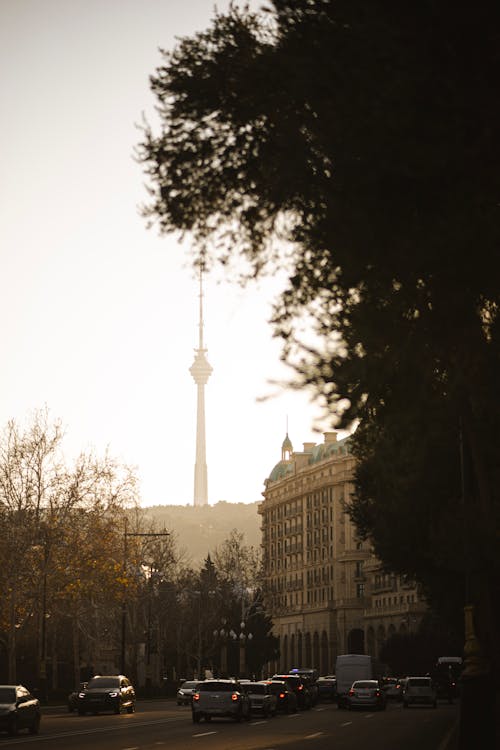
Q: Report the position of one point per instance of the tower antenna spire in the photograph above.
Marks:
(200, 371)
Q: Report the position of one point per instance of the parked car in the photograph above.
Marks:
(262, 699)
(419, 690)
(392, 688)
(286, 700)
(366, 694)
(327, 688)
(299, 687)
(73, 697)
(220, 698)
(185, 692)
(18, 710)
(107, 693)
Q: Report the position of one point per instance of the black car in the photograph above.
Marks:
(327, 688)
(107, 693)
(286, 700)
(18, 709)
(299, 687)
(73, 697)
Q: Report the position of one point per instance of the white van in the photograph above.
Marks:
(349, 668)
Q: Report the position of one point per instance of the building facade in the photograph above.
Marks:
(327, 592)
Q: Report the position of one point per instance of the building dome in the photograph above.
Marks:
(281, 469)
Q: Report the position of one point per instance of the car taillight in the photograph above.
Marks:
(351, 692)
(196, 697)
(235, 697)
(282, 695)
(377, 693)
(301, 687)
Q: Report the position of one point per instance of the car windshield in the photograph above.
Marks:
(7, 695)
(365, 684)
(188, 685)
(104, 682)
(228, 687)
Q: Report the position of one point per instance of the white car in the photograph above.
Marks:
(419, 690)
(185, 692)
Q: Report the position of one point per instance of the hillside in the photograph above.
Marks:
(199, 531)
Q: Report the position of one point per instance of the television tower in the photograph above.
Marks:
(201, 371)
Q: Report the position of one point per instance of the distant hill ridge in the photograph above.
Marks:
(199, 530)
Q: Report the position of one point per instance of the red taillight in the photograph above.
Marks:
(301, 687)
(235, 697)
(282, 695)
(351, 692)
(196, 697)
(377, 693)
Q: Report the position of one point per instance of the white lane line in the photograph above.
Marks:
(313, 736)
(346, 723)
(203, 734)
(256, 723)
(369, 716)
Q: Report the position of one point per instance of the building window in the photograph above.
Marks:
(360, 590)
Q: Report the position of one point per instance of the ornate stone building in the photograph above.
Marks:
(327, 592)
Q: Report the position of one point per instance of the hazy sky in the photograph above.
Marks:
(99, 314)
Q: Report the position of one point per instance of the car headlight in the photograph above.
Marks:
(81, 695)
(114, 694)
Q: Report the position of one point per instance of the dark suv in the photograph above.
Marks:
(299, 687)
(107, 693)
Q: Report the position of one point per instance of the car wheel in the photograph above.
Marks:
(265, 712)
(131, 709)
(196, 718)
(35, 727)
(81, 712)
(12, 730)
(117, 708)
(405, 704)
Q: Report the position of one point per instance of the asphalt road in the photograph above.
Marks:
(163, 724)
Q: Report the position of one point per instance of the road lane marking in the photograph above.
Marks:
(256, 723)
(203, 734)
(346, 723)
(313, 736)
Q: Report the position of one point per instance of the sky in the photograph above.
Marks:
(99, 313)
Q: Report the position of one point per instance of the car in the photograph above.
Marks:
(299, 687)
(107, 693)
(366, 694)
(220, 698)
(73, 697)
(286, 700)
(19, 709)
(185, 692)
(327, 687)
(262, 699)
(392, 688)
(419, 690)
(309, 678)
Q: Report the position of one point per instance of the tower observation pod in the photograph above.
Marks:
(200, 371)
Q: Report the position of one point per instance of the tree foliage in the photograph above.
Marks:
(361, 138)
